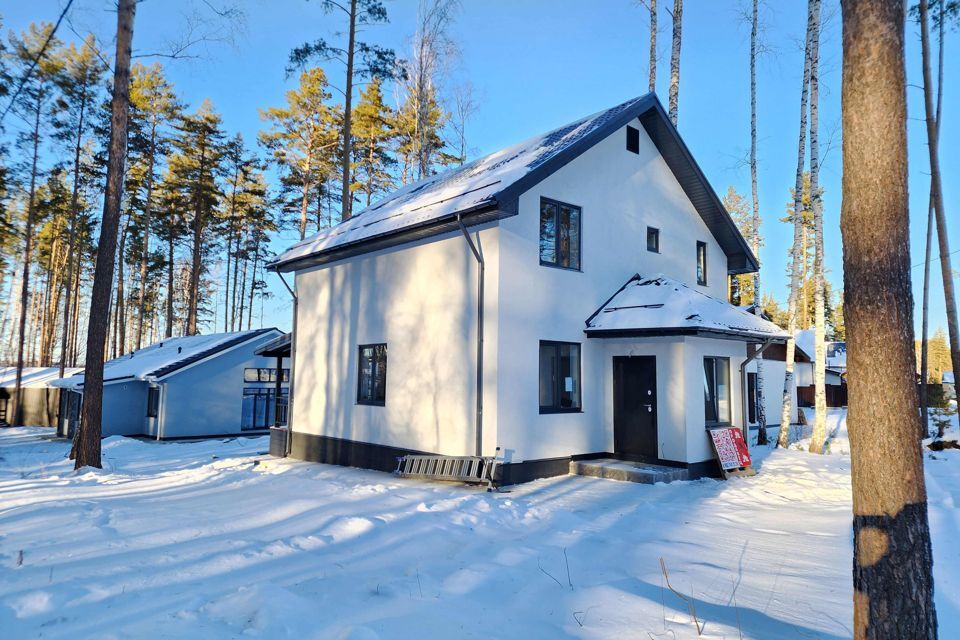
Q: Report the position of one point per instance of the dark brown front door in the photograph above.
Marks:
(635, 406)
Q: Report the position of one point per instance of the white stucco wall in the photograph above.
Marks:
(773, 374)
(620, 193)
(421, 301)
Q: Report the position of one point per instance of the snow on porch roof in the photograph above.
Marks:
(165, 357)
(663, 306)
(34, 376)
(490, 187)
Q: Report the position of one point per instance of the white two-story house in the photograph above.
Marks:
(560, 299)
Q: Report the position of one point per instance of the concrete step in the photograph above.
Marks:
(614, 469)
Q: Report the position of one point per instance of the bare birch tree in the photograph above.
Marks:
(892, 569)
(677, 16)
(816, 201)
(796, 259)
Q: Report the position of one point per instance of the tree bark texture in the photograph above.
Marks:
(675, 61)
(892, 569)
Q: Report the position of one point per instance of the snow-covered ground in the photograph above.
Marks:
(214, 539)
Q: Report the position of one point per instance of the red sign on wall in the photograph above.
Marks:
(731, 448)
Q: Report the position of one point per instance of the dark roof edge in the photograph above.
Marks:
(168, 370)
(479, 214)
(681, 331)
(603, 306)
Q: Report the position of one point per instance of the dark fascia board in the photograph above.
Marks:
(681, 331)
(170, 369)
(278, 347)
(593, 315)
(486, 212)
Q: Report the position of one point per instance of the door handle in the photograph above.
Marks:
(649, 407)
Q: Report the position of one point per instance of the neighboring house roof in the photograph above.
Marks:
(663, 306)
(34, 376)
(489, 188)
(278, 347)
(166, 357)
(806, 339)
(947, 378)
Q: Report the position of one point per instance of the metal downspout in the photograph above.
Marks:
(482, 266)
(288, 443)
(743, 388)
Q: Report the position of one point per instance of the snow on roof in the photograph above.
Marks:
(165, 357)
(471, 186)
(805, 339)
(34, 376)
(947, 377)
(662, 304)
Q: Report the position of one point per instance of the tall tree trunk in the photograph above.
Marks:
(71, 241)
(820, 316)
(89, 434)
(27, 251)
(120, 317)
(925, 322)
(936, 190)
(783, 438)
(675, 60)
(253, 285)
(168, 330)
(892, 570)
(147, 220)
(196, 261)
(757, 307)
(652, 84)
(347, 202)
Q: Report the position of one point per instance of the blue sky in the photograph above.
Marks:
(537, 64)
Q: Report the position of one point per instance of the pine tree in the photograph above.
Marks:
(373, 128)
(375, 61)
(303, 139)
(194, 168)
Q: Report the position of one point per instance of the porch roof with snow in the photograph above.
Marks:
(34, 376)
(490, 188)
(165, 358)
(661, 306)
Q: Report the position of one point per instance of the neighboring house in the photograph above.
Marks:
(949, 386)
(39, 400)
(835, 380)
(192, 386)
(528, 258)
(774, 372)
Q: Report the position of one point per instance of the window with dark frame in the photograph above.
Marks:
(153, 402)
(559, 377)
(702, 263)
(653, 239)
(716, 390)
(633, 139)
(372, 378)
(752, 398)
(264, 374)
(258, 408)
(559, 234)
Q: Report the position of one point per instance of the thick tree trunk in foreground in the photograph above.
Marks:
(88, 437)
(675, 61)
(820, 320)
(892, 570)
(796, 260)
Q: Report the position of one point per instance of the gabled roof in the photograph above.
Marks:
(166, 357)
(34, 376)
(489, 188)
(660, 305)
(278, 347)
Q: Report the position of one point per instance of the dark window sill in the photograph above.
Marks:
(718, 425)
(372, 403)
(560, 266)
(548, 410)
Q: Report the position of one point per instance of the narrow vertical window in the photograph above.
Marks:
(372, 378)
(559, 377)
(653, 239)
(153, 402)
(702, 263)
(633, 140)
(560, 238)
(716, 390)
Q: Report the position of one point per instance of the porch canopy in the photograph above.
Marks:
(279, 347)
(662, 306)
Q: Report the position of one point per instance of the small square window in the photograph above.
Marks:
(372, 378)
(653, 239)
(633, 140)
(702, 263)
